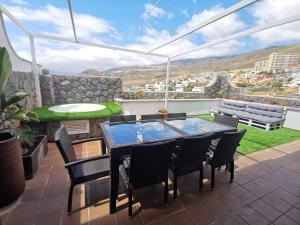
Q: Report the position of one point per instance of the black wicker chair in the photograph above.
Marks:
(190, 158)
(152, 117)
(176, 115)
(122, 118)
(148, 165)
(224, 153)
(226, 120)
(80, 170)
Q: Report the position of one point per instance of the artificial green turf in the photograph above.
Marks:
(256, 139)
(45, 115)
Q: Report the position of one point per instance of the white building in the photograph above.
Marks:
(282, 61)
(198, 89)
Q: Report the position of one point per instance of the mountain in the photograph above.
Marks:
(183, 68)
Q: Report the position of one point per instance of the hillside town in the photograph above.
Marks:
(282, 70)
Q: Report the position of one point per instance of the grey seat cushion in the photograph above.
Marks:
(227, 111)
(254, 111)
(234, 105)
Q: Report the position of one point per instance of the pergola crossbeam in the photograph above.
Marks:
(72, 20)
(87, 43)
(243, 34)
(220, 15)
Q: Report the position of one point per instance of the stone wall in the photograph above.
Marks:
(24, 81)
(130, 95)
(220, 87)
(283, 101)
(77, 89)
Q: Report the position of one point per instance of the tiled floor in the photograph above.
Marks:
(266, 190)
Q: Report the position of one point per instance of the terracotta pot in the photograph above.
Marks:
(165, 114)
(12, 179)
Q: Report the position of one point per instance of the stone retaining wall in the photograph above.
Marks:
(78, 89)
(131, 95)
(24, 81)
(291, 102)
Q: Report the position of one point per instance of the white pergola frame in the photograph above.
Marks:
(224, 13)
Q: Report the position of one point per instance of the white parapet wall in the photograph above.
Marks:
(292, 119)
(151, 106)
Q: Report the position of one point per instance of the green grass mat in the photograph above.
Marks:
(256, 139)
(45, 115)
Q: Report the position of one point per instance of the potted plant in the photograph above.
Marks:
(164, 112)
(34, 150)
(12, 180)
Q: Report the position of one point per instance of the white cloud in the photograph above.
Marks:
(223, 27)
(185, 12)
(153, 11)
(194, 1)
(63, 57)
(19, 2)
(87, 26)
(170, 16)
(270, 10)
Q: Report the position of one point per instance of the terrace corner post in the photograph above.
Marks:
(167, 84)
(35, 71)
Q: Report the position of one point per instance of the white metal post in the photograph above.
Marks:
(167, 84)
(35, 72)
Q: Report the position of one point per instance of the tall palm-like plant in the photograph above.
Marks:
(10, 111)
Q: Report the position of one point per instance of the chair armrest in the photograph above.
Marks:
(86, 140)
(80, 161)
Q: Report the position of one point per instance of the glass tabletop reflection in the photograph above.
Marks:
(195, 126)
(139, 132)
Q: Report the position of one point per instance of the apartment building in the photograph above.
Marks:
(282, 61)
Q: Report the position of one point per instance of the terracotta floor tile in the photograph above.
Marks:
(286, 196)
(105, 220)
(243, 162)
(22, 214)
(252, 217)
(76, 218)
(231, 201)
(284, 220)
(47, 218)
(32, 194)
(202, 214)
(232, 219)
(172, 206)
(244, 195)
(180, 218)
(266, 210)
(151, 213)
(123, 218)
(37, 181)
(55, 203)
(266, 154)
(294, 214)
(293, 187)
(55, 189)
(259, 187)
(277, 202)
(161, 221)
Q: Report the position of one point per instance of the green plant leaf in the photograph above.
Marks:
(32, 117)
(26, 136)
(5, 68)
(16, 97)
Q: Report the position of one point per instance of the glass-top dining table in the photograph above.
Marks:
(119, 137)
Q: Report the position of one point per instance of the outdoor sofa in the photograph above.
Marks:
(264, 116)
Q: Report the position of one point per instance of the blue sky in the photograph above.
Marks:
(142, 25)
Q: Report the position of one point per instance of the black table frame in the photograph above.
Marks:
(117, 152)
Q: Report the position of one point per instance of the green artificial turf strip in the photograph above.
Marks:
(45, 115)
(256, 139)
